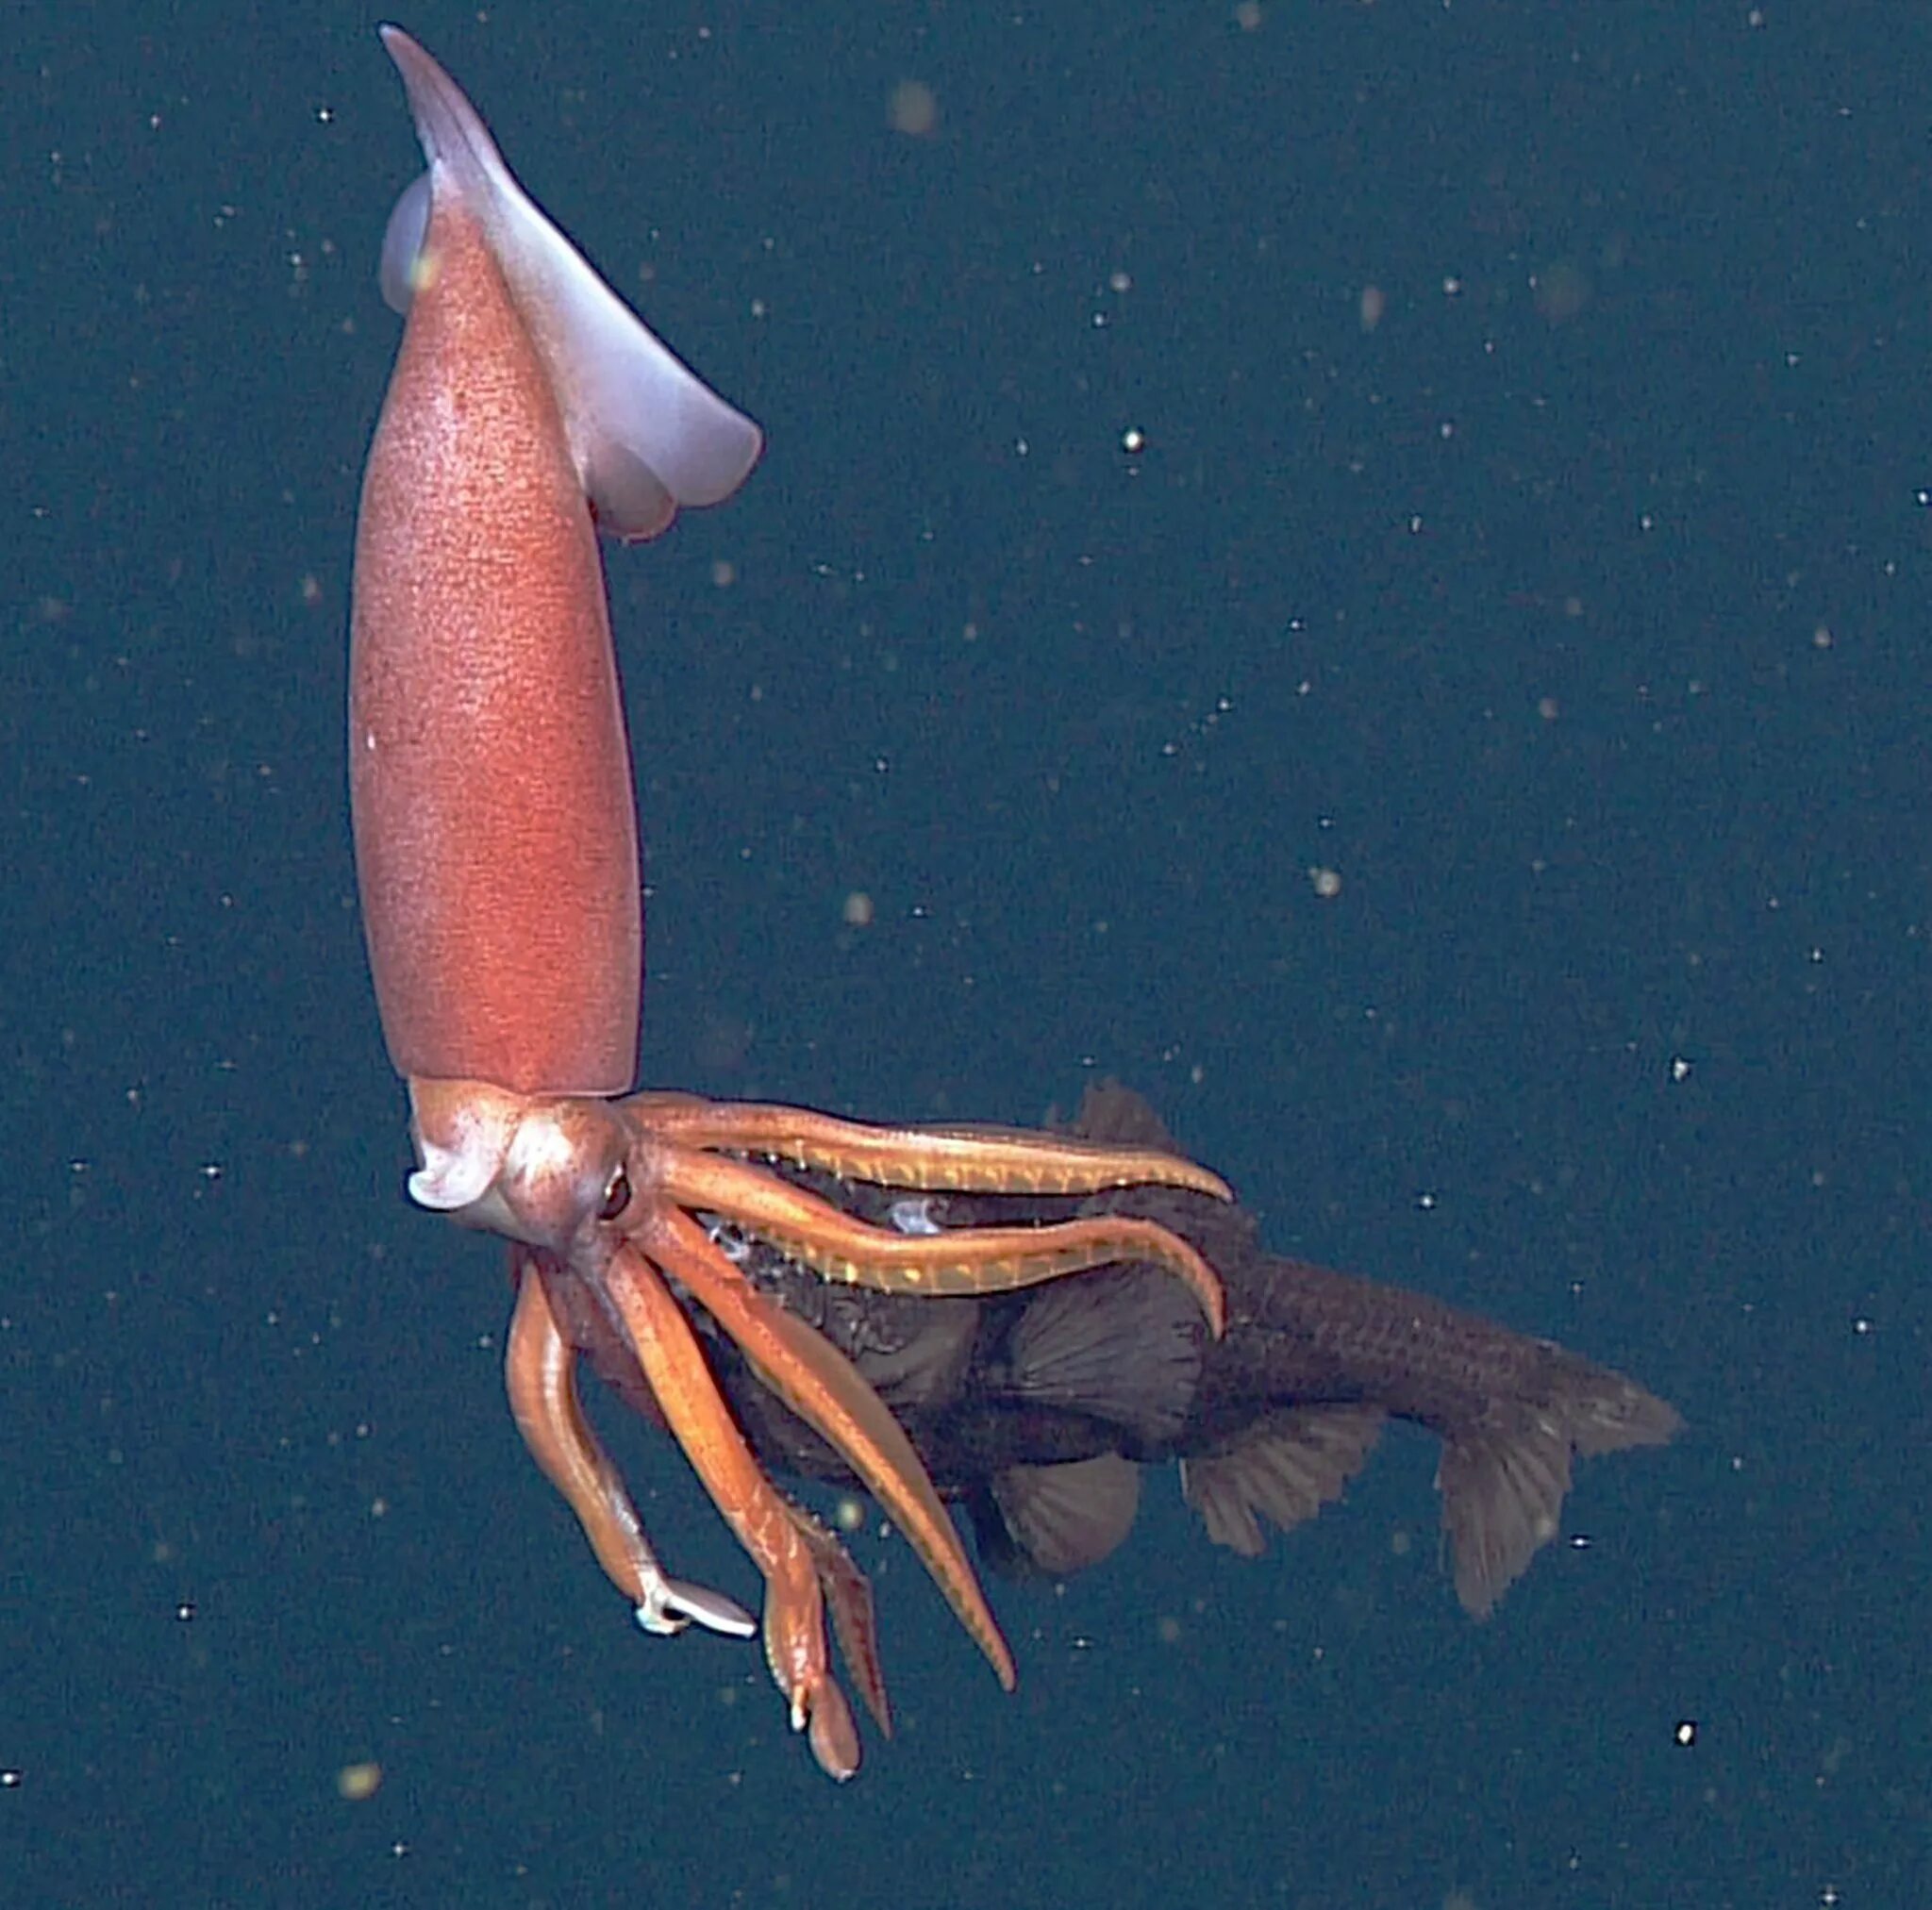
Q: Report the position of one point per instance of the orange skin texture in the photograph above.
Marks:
(489, 772)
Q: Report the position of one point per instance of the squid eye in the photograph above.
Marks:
(616, 1197)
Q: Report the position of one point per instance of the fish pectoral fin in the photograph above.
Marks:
(1060, 1518)
(1284, 1469)
(1124, 1347)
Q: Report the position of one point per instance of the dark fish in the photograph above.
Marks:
(1036, 1410)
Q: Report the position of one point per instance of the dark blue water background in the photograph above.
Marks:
(1573, 615)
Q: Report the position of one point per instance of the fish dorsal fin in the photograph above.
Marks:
(1061, 1518)
(1284, 1469)
(1115, 1114)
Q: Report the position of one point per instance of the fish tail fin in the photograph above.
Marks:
(1502, 1477)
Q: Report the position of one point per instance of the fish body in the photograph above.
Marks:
(1037, 1411)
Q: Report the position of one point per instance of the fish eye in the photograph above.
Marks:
(616, 1197)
